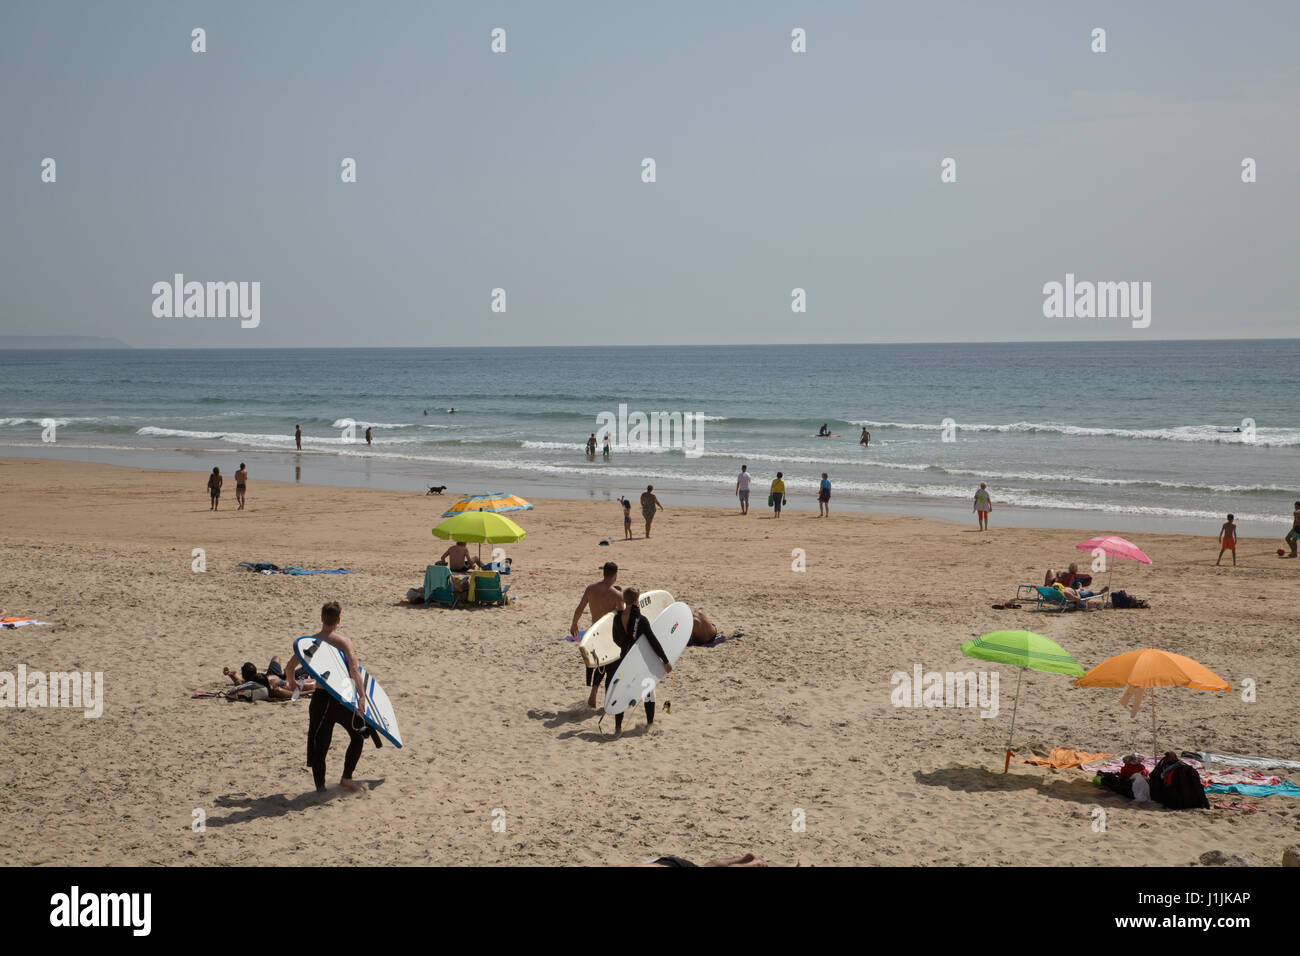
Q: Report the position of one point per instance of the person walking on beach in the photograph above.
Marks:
(297, 436)
(742, 489)
(326, 711)
(776, 496)
(214, 488)
(983, 505)
(1293, 536)
(648, 505)
(1228, 541)
(866, 438)
(241, 485)
(602, 597)
(824, 497)
(630, 626)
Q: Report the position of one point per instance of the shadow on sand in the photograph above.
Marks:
(278, 804)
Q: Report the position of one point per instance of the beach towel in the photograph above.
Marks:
(12, 622)
(267, 568)
(573, 637)
(1284, 788)
(1063, 758)
(1241, 760)
(1116, 765)
(720, 639)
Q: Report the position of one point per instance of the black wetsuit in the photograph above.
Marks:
(626, 638)
(322, 715)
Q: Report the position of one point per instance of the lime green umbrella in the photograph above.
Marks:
(480, 526)
(1023, 649)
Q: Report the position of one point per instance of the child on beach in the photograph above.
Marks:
(1228, 541)
(627, 518)
(983, 505)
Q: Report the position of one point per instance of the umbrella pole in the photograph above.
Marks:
(1007, 765)
(1155, 751)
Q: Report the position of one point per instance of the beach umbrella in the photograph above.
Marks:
(1023, 649)
(479, 526)
(1114, 547)
(1150, 668)
(497, 502)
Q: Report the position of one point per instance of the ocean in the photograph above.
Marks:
(1105, 436)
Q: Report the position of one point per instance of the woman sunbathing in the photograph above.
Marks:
(1079, 596)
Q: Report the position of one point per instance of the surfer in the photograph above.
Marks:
(648, 505)
(630, 625)
(326, 710)
(825, 430)
(602, 597)
(865, 440)
(241, 484)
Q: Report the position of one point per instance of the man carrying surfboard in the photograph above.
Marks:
(629, 626)
(602, 597)
(325, 711)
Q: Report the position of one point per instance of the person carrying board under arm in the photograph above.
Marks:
(325, 711)
(630, 625)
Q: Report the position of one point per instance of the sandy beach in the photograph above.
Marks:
(793, 721)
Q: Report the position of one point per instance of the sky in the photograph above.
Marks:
(522, 170)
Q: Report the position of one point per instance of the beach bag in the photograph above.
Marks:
(252, 691)
(1178, 786)
(771, 500)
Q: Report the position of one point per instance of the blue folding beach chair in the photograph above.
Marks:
(1057, 599)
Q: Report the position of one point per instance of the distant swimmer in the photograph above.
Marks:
(865, 440)
(426, 411)
(367, 436)
(451, 411)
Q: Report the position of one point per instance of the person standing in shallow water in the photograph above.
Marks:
(297, 436)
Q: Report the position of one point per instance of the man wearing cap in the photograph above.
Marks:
(602, 597)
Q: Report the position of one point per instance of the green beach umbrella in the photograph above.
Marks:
(480, 526)
(1023, 649)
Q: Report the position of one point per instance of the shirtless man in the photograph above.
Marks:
(648, 505)
(602, 597)
(703, 630)
(214, 489)
(865, 439)
(325, 711)
(1293, 536)
(241, 484)
(459, 559)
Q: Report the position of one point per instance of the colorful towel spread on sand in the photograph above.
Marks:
(267, 568)
(22, 622)
(573, 637)
(720, 639)
(1063, 758)
(1284, 788)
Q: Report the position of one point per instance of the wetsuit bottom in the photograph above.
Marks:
(322, 715)
(649, 698)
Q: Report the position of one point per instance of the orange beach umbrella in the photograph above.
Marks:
(1151, 668)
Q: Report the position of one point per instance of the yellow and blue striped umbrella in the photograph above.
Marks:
(496, 502)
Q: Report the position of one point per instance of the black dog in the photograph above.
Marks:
(436, 489)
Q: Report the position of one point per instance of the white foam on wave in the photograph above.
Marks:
(1264, 436)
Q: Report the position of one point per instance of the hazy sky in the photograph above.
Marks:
(522, 170)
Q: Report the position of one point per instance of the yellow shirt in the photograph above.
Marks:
(778, 486)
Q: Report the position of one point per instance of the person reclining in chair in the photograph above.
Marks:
(1078, 597)
(1071, 578)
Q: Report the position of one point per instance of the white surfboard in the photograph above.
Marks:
(642, 669)
(597, 646)
(325, 663)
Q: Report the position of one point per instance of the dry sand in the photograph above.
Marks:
(794, 716)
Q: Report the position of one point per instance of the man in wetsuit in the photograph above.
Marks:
(629, 626)
(325, 711)
(602, 597)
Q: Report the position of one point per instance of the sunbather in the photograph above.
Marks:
(272, 680)
(1071, 578)
(1079, 597)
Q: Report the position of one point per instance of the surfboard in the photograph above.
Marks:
(641, 670)
(597, 646)
(325, 663)
(828, 436)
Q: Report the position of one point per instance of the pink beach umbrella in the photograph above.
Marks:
(1114, 547)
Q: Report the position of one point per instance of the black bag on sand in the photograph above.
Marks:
(1122, 600)
(1178, 786)
(1118, 784)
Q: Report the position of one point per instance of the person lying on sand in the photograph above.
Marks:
(272, 680)
(676, 861)
(703, 630)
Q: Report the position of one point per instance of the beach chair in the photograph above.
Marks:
(485, 588)
(437, 586)
(1057, 599)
